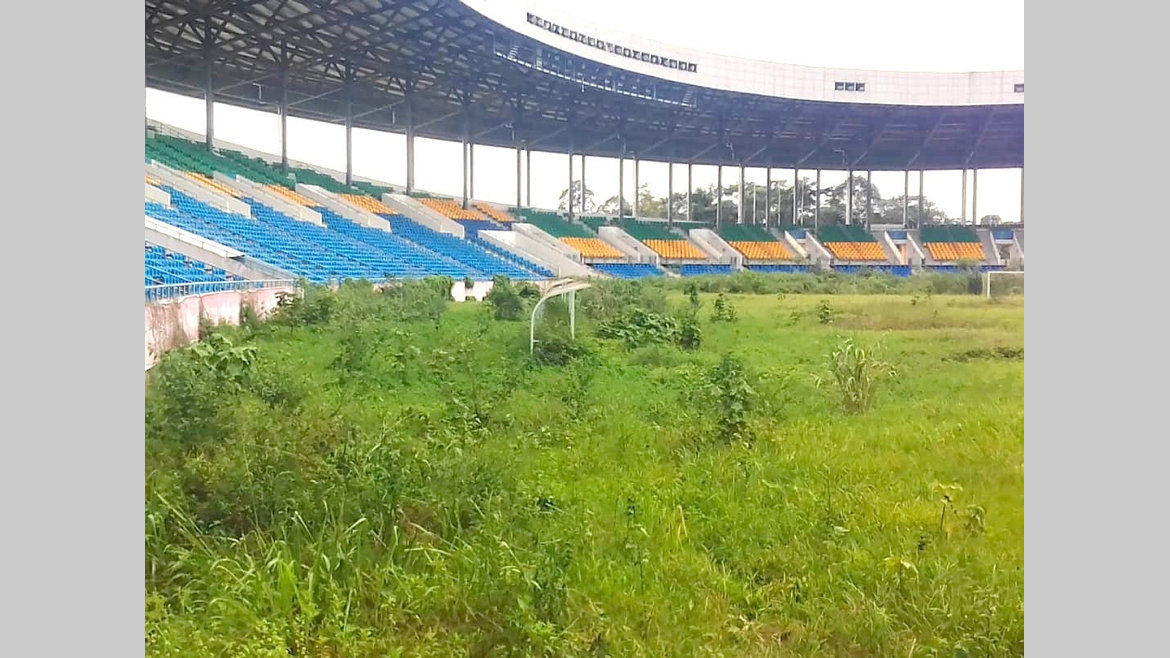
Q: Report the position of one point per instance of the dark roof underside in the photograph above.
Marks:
(459, 74)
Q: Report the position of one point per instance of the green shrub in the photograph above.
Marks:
(723, 310)
(504, 300)
(857, 373)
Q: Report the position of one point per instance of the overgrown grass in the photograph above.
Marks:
(383, 474)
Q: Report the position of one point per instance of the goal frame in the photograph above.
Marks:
(987, 279)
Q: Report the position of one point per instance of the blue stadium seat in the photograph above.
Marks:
(628, 270)
(700, 270)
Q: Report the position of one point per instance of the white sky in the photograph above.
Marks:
(910, 35)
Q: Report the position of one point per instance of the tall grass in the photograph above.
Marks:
(384, 474)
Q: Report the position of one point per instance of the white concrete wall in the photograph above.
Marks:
(328, 200)
(198, 191)
(410, 208)
(753, 76)
(818, 254)
(175, 322)
(157, 195)
(270, 199)
(531, 246)
(633, 249)
(893, 253)
(188, 238)
(715, 247)
(990, 251)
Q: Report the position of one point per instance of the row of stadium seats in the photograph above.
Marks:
(675, 249)
(592, 247)
(628, 270)
(462, 250)
(766, 251)
(955, 250)
(700, 270)
(165, 267)
(451, 209)
(863, 251)
(495, 213)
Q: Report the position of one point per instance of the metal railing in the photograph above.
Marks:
(173, 290)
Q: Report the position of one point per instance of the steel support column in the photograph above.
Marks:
(921, 199)
(690, 186)
(848, 197)
(868, 197)
(1021, 196)
(817, 203)
(768, 197)
(284, 119)
(963, 214)
(471, 169)
(906, 199)
(528, 175)
(718, 195)
(742, 195)
(974, 196)
(569, 201)
(621, 186)
(583, 188)
(409, 148)
(795, 200)
(464, 145)
(209, 99)
(348, 141)
(518, 176)
(670, 194)
(636, 189)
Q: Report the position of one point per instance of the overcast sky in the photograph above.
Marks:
(907, 35)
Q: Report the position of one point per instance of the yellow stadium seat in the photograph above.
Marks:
(369, 204)
(495, 213)
(864, 251)
(451, 209)
(678, 249)
(592, 247)
(763, 250)
(292, 196)
(209, 182)
(955, 250)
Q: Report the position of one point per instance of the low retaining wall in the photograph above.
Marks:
(175, 323)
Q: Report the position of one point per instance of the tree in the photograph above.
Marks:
(582, 198)
(610, 207)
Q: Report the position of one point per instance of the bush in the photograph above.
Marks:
(727, 388)
(856, 373)
(723, 310)
(637, 328)
(504, 300)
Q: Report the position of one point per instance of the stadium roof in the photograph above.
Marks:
(453, 72)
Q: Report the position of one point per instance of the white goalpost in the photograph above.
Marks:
(1012, 282)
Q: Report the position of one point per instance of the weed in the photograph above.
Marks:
(857, 373)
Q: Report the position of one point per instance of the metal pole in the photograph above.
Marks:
(718, 196)
(906, 199)
(465, 170)
(817, 203)
(570, 190)
(209, 98)
(621, 185)
(637, 190)
(409, 148)
(963, 214)
(348, 141)
(868, 197)
(768, 197)
(795, 199)
(849, 197)
(1021, 196)
(974, 196)
(284, 119)
(670, 194)
(742, 196)
(528, 175)
(921, 199)
(573, 314)
(471, 169)
(518, 176)
(690, 186)
(583, 188)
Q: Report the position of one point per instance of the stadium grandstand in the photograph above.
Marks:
(493, 72)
